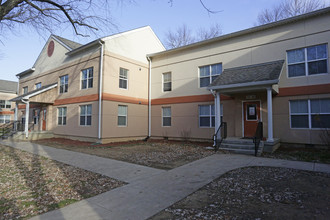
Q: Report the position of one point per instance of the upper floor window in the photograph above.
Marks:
(64, 83)
(314, 113)
(87, 78)
(167, 82)
(122, 115)
(123, 78)
(207, 74)
(308, 61)
(166, 115)
(5, 104)
(86, 115)
(25, 90)
(38, 85)
(61, 116)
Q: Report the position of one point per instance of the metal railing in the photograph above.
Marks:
(8, 129)
(258, 136)
(222, 131)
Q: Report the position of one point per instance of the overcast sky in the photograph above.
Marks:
(19, 52)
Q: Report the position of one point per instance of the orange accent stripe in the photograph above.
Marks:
(22, 106)
(86, 98)
(6, 113)
(304, 90)
(187, 99)
(126, 99)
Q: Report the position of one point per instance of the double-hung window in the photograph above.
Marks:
(87, 78)
(123, 78)
(64, 83)
(25, 90)
(167, 82)
(61, 115)
(122, 115)
(5, 104)
(38, 85)
(314, 113)
(207, 74)
(207, 115)
(86, 115)
(166, 116)
(4, 119)
(308, 61)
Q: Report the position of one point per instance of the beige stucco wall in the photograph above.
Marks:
(8, 111)
(137, 120)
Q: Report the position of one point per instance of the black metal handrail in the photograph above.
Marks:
(258, 136)
(12, 127)
(223, 135)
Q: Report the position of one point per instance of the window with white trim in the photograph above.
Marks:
(207, 115)
(36, 114)
(5, 104)
(123, 78)
(85, 115)
(167, 82)
(87, 78)
(166, 116)
(314, 113)
(4, 119)
(61, 115)
(38, 85)
(64, 84)
(122, 115)
(25, 90)
(308, 61)
(207, 74)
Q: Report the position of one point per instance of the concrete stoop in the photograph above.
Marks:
(241, 146)
(33, 135)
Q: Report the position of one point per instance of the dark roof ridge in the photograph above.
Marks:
(255, 65)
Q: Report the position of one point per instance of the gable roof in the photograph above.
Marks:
(264, 73)
(8, 86)
(69, 43)
(34, 92)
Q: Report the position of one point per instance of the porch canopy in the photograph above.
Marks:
(45, 95)
(258, 77)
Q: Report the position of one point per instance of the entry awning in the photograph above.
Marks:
(252, 77)
(32, 95)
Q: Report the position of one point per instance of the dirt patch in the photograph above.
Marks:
(157, 154)
(32, 185)
(257, 193)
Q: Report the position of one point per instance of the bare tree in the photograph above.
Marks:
(288, 8)
(183, 35)
(84, 16)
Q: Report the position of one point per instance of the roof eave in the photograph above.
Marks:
(31, 70)
(84, 47)
(240, 85)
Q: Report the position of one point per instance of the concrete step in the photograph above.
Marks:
(242, 151)
(238, 146)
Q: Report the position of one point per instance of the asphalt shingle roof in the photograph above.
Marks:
(18, 98)
(73, 45)
(249, 74)
(8, 86)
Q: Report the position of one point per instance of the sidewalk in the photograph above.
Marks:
(154, 190)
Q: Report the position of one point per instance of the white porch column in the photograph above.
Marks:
(27, 108)
(16, 116)
(270, 114)
(217, 113)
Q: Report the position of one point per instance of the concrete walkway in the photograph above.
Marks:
(149, 190)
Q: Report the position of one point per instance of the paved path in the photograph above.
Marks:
(154, 190)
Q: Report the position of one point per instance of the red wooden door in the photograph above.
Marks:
(44, 119)
(251, 117)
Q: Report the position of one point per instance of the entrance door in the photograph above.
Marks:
(251, 117)
(44, 119)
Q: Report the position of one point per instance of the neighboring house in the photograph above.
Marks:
(276, 73)
(8, 90)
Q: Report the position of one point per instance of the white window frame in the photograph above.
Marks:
(36, 114)
(122, 115)
(38, 85)
(90, 71)
(209, 115)
(4, 119)
(62, 116)
(6, 104)
(85, 114)
(210, 75)
(167, 81)
(64, 85)
(309, 114)
(25, 90)
(163, 116)
(123, 78)
(306, 61)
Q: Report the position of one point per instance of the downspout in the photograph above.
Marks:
(100, 90)
(149, 100)
(27, 113)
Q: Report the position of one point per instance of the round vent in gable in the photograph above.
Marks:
(50, 49)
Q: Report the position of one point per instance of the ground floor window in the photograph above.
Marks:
(61, 116)
(35, 116)
(166, 116)
(310, 113)
(4, 119)
(207, 115)
(86, 115)
(122, 115)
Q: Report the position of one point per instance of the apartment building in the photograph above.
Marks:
(127, 86)
(8, 90)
